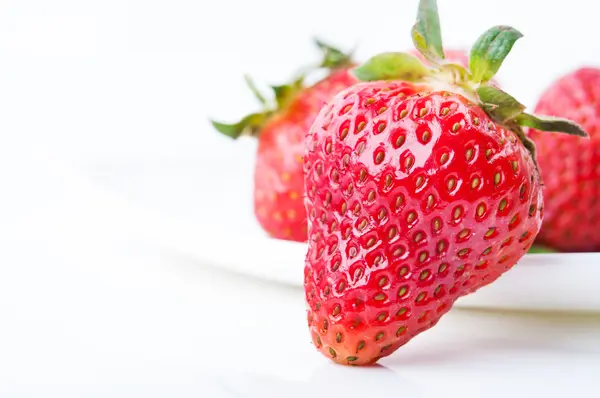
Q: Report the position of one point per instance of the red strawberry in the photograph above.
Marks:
(570, 166)
(416, 195)
(280, 129)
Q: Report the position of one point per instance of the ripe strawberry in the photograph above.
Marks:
(416, 194)
(280, 129)
(571, 167)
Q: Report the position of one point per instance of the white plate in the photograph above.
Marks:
(209, 216)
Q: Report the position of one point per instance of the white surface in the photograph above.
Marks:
(210, 217)
(90, 308)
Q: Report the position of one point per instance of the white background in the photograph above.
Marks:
(114, 79)
(90, 308)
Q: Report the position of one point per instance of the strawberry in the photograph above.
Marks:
(421, 187)
(280, 130)
(571, 167)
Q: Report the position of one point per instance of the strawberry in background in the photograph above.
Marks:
(571, 167)
(280, 129)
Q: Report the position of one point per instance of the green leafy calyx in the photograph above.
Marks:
(504, 108)
(333, 58)
(549, 123)
(486, 57)
(282, 95)
(498, 104)
(489, 52)
(253, 123)
(426, 33)
(249, 125)
(392, 66)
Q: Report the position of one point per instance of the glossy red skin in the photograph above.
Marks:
(570, 165)
(278, 178)
(364, 277)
